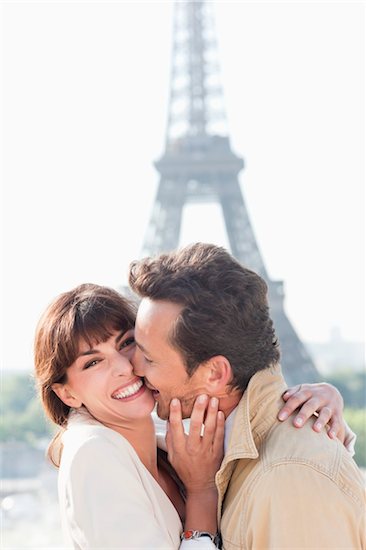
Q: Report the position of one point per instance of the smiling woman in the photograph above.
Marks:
(112, 479)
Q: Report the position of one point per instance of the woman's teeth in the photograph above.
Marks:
(130, 390)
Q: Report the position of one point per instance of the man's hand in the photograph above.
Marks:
(324, 400)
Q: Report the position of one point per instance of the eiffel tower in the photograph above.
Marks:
(198, 165)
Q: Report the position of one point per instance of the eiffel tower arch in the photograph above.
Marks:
(198, 165)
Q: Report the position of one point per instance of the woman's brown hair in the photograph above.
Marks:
(88, 312)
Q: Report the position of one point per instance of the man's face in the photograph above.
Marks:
(161, 364)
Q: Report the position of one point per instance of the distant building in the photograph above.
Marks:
(337, 354)
(21, 460)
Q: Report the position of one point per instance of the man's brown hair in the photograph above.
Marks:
(224, 307)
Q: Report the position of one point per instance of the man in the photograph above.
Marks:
(203, 327)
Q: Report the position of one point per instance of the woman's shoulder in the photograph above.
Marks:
(85, 438)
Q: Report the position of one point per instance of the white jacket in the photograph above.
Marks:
(108, 499)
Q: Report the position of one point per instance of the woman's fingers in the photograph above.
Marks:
(196, 456)
(323, 399)
(204, 413)
(212, 440)
(324, 416)
(294, 400)
(175, 436)
(197, 420)
(291, 391)
(337, 428)
(218, 443)
(307, 411)
(210, 420)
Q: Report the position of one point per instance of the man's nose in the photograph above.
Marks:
(138, 362)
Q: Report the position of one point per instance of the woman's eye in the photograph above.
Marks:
(127, 342)
(147, 360)
(90, 364)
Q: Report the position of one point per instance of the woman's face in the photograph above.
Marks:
(101, 378)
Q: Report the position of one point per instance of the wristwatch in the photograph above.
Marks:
(194, 535)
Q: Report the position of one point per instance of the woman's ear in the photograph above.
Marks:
(63, 393)
(219, 374)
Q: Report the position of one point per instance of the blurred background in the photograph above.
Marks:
(86, 88)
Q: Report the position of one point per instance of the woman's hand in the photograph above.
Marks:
(322, 399)
(195, 457)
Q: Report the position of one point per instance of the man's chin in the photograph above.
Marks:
(162, 412)
(186, 412)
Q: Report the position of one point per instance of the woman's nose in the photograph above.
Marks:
(121, 365)
(137, 362)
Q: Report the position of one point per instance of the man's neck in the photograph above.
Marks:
(229, 401)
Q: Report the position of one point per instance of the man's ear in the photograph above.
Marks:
(63, 393)
(219, 374)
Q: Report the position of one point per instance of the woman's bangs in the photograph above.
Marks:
(96, 327)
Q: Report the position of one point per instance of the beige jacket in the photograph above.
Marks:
(280, 487)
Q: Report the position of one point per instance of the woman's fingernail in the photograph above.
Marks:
(282, 415)
(175, 402)
(201, 399)
(214, 402)
(299, 421)
(318, 426)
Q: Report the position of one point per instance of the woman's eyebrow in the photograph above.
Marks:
(88, 352)
(91, 351)
(119, 336)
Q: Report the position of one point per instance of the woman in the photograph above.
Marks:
(116, 490)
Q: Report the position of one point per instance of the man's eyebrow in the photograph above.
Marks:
(91, 351)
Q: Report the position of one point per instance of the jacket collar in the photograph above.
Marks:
(255, 414)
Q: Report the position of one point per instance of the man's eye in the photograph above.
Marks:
(127, 342)
(147, 360)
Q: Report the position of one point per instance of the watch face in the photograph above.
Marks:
(188, 535)
(194, 535)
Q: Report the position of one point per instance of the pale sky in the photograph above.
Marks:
(85, 92)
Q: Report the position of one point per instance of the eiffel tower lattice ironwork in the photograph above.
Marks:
(198, 165)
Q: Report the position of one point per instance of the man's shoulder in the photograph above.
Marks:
(286, 444)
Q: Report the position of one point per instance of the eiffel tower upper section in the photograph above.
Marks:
(196, 108)
(199, 165)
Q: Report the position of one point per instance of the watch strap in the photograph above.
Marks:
(194, 535)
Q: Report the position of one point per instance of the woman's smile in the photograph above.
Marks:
(130, 391)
